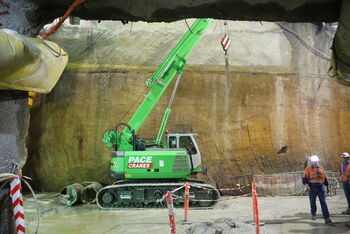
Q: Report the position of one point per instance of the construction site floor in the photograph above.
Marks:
(287, 214)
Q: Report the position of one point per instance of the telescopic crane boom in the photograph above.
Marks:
(159, 82)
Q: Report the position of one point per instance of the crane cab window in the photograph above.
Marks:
(186, 142)
(172, 142)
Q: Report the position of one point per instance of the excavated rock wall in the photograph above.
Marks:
(277, 94)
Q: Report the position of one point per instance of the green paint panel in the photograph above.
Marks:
(152, 164)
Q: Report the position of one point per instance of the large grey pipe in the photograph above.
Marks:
(340, 64)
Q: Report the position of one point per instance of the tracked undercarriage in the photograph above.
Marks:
(149, 194)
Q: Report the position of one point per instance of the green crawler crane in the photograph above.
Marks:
(147, 169)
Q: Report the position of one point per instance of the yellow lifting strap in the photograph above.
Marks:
(29, 64)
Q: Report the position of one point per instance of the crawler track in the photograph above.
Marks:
(148, 194)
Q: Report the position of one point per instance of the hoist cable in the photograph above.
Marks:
(304, 43)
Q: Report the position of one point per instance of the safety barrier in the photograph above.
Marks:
(186, 201)
(289, 183)
(17, 204)
(255, 208)
(169, 198)
(333, 182)
(17, 199)
(238, 191)
(169, 201)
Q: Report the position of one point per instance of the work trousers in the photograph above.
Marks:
(317, 190)
(346, 187)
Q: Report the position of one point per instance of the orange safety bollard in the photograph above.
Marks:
(186, 201)
(169, 201)
(255, 208)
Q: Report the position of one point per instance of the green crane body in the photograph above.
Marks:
(140, 159)
(147, 169)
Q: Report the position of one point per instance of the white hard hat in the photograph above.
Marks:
(314, 158)
(345, 155)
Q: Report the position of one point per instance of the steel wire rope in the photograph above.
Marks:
(216, 24)
(188, 26)
(221, 34)
(52, 50)
(304, 43)
(226, 28)
(227, 72)
(127, 113)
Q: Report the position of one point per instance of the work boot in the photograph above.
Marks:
(328, 221)
(313, 217)
(347, 211)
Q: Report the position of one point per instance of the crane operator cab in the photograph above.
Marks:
(186, 141)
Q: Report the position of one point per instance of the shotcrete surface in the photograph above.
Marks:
(14, 121)
(279, 214)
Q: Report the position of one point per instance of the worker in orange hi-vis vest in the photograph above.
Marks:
(344, 178)
(315, 178)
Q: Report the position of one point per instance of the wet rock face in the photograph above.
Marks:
(275, 108)
(238, 136)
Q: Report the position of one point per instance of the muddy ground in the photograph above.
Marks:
(230, 215)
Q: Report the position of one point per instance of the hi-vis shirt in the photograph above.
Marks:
(344, 172)
(314, 175)
(346, 175)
